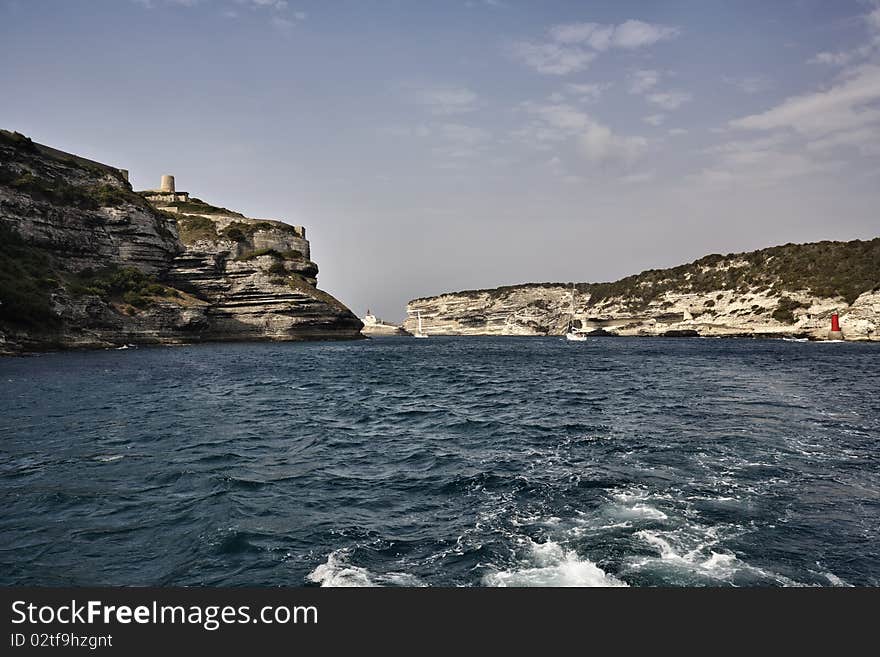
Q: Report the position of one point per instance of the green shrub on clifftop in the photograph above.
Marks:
(193, 229)
(127, 284)
(16, 140)
(783, 312)
(59, 192)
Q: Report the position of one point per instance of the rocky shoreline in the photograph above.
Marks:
(778, 292)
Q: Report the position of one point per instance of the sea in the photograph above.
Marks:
(451, 461)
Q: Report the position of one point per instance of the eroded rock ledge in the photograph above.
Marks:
(86, 262)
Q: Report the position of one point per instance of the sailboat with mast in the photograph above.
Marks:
(571, 332)
(420, 333)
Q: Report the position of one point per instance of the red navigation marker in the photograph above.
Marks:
(835, 323)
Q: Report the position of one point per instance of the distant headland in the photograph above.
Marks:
(785, 291)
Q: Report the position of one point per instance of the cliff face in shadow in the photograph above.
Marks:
(258, 279)
(86, 262)
(784, 291)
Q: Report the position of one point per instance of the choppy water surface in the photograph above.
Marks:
(448, 461)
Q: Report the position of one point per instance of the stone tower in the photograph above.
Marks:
(167, 184)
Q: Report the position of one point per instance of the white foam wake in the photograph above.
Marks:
(549, 564)
(109, 458)
(336, 571)
(339, 572)
(701, 560)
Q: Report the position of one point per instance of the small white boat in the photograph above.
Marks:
(572, 333)
(419, 333)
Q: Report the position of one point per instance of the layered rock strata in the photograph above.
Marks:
(788, 291)
(87, 262)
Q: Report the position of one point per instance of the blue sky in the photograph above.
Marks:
(440, 146)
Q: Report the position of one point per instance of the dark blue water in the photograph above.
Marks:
(448, 461)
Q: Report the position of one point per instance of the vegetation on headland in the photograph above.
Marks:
(194, 206)
(17, 140)
(195, 228)
(239, 231)
(784, 310)
(24, 170)
(27, 279)
(60, 192)
(127, 285)
(825, 269)
(30, 274)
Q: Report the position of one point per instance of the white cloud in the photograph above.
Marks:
(674, 132)
(286, 22)
(873, 19)
(272, 4)
(864, 140)
(600, 145)
(669, 100)
(283, 24)
(762, 162)
(151, 4)
(552, 58)
(278, 5)
(572, 46)
(838, 58)
(654, 119)
(760, 144)
(598, 37)
(596, 142)
(849, 104)
(443, 100)
(636, 34)
(459, 141)
(497, 4)
(629, 35)
(562, 117)
(452, 144)
(643, 80)
(281, 20)
(463, 134)
(762, 168)
(586, 92)
(845, 57)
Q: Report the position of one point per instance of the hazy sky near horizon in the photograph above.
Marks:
(441, 146)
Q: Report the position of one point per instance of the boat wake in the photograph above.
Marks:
(550, 564)
(338, 572)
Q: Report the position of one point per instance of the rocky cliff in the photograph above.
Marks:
(257, 277)
(87, 262)
(785, 291)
